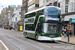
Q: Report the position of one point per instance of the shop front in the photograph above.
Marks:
(67, 17)
(73, 27)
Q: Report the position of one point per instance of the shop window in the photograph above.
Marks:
(37, 5)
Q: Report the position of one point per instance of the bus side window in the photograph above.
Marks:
(39, 28)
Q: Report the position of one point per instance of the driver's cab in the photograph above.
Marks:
(48, 26)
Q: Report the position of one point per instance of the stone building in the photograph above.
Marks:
(33, 5)
(24, 10)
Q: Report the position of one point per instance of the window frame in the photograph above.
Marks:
(30, 18)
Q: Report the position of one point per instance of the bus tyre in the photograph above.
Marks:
(53, 41)
(26, 35)
(36, 37)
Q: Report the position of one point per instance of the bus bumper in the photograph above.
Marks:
(49, 39)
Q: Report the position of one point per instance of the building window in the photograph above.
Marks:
(43, 1)
(20, 13)
(72, 6)
(37, 5)
(66, 9)
(66, 6)
(66, 1)
(55, 4)
(16, 18)
(46, 0)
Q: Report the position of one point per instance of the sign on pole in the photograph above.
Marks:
(50, 4)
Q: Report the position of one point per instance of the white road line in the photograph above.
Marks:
(66, 43)
(4, 45)
(24, 42)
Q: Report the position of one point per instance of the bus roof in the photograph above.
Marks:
(41, 9)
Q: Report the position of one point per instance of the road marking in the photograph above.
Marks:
(4, 45)
(66, 43)
(35, 46)
(21, 32)
(54, 44)
(45, 45)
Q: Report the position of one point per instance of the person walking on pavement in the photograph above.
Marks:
(65, 31)
(70, 31)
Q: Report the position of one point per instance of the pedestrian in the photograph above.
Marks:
(70, 32)
(62, 31)
(11, 27)
(65, 33)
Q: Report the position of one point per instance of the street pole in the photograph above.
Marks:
(68, 29)
(57, 3)
(68, 35)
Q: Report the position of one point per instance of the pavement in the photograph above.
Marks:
(71, 39)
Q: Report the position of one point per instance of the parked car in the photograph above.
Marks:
(6, 26)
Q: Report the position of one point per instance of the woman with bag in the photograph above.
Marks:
(65, 33)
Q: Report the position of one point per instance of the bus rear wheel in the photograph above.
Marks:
(53, 41)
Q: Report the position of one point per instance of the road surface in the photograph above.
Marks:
(14, 40)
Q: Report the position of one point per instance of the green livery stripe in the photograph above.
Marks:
(42, 19)
(44, 34)
(52, 36)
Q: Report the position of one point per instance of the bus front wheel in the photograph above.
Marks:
(36, 37)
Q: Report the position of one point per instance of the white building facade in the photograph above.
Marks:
(16, 17)
(48, 3)
(68, 11)
(67, 6)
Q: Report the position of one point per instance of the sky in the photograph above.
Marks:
(5, 3)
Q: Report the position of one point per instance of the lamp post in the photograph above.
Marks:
(57, 3)
(69, 28)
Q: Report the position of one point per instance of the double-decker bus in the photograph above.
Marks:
(43, 24)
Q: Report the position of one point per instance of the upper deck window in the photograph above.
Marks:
(30, 20)
(51, 11)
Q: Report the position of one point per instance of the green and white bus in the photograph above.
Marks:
(43, 24)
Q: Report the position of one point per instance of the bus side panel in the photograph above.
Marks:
(31, 35)
(24, 33)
